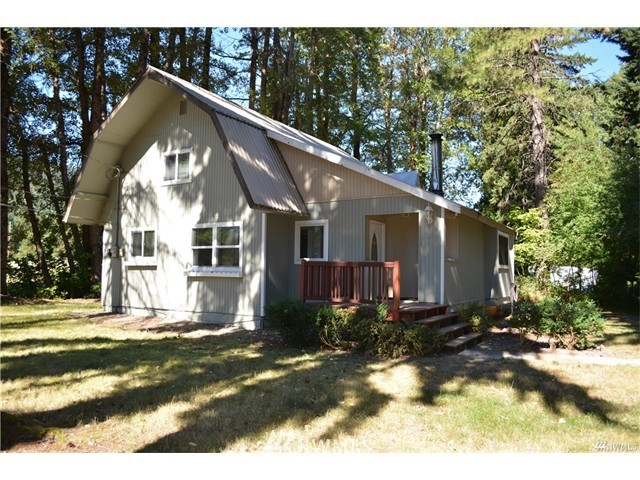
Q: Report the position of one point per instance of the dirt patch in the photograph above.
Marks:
(183, 328)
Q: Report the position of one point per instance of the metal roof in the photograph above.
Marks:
(260, 168)
(247, 135)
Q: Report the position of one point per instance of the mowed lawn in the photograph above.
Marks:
(69, 384)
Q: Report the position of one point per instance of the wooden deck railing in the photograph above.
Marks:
(352, 282)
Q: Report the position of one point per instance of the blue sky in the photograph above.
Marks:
(605, 53)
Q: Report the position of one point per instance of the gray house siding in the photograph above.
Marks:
(347, 224)
(498, 279)
(464, 275)
(213, 195)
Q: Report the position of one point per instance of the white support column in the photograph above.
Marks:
(443, 239)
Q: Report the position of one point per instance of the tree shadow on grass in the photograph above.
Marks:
(238, 387)
(523, 378)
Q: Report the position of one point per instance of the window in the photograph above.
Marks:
(451, 236)
(217, 248)
(503, 250)
(143, 247)
(312, 240)
(177, 167)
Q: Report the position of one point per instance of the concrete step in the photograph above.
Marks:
(463, 342)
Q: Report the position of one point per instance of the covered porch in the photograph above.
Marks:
(367, 283)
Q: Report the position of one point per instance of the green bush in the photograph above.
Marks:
(295, 321)
(473, 313)
(359, 329)
(568, 323)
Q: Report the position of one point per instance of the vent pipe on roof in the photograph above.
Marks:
(435, 185)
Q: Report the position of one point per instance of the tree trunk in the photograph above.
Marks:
(5, 91)
(98, 97)
(171, 50)
(62, 139)
(253, 67)
(154, 47)
(143, 51)
(264, 68)
(311, 82)
(182, 53)
(83, 94)
(31, 214)
(289, 81)
(59, 212)
(276, 105)
(538, 132)
(206, 59)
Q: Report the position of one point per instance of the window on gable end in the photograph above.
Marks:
(177, 167)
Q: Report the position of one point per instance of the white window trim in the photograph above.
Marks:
(200, 271)
(502, 265)
(176, 153)
(325, 246)
(142, 261)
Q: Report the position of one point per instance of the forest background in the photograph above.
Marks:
(529, 139)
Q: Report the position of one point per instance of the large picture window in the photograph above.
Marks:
(217, 247)
(143, 247)
(312, 240)
(177, 167)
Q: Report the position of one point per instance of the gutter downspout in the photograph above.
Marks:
(115, 253)
(263, 269)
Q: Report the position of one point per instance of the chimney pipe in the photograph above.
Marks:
(436, 164)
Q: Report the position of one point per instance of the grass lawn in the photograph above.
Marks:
(69, 384)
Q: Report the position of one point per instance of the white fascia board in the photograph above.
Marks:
(358, 167)
(487, 221)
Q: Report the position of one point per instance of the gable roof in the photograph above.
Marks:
(248, 140)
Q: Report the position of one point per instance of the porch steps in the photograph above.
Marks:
(462, 342)
(459, 335)
(438, 321)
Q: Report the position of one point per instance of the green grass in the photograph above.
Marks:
(88, 387)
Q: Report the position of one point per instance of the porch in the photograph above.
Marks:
(348, 284)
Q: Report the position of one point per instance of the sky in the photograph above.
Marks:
(606, 54)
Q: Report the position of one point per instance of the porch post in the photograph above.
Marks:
(395, 312)
(303, 280)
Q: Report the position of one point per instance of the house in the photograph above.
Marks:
(209, 210)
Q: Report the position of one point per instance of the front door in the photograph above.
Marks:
(376, 251)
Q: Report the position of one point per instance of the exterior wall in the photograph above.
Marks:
(464, 276)
(347, 242)
(319, 180)
(213, 195)
(402, 244)
(498, 279)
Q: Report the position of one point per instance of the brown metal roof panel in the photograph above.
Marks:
(266, 177)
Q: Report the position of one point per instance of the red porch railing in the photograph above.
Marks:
(352, 282)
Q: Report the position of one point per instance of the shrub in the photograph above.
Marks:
(473, 313)
(295, 321)
(567, 323)
(352, 330)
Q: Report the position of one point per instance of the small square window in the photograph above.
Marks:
(143, 249)
(312, 240)
(177, 167)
